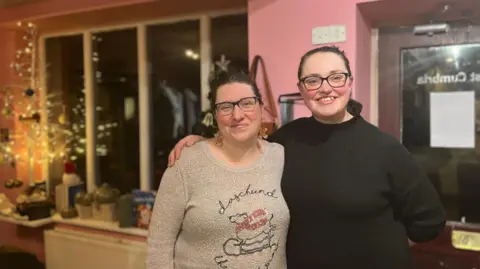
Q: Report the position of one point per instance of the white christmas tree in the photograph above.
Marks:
(36, 140)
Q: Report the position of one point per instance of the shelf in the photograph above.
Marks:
(86, 223)
(100, 225)
(27, 223)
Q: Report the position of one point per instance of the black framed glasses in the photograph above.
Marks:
(247, 104)
(314, 82)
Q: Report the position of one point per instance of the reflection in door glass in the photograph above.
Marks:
(455, 172)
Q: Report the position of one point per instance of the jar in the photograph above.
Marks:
(105, 203)
(84, 205)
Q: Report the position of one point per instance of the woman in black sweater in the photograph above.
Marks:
(356, 196)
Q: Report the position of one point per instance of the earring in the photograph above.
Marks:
(263, 133)
(218, 138)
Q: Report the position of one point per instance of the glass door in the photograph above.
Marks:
(420, 94)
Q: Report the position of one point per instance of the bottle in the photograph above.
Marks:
(69, 177)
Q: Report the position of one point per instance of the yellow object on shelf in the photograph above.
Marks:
(466, 240)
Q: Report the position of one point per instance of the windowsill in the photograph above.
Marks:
(86, 223)
(100, 225)
(27, 223)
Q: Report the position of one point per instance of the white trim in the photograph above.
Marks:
(227, 12)
(374, 78)
(90, 113)
(205, 59)
(42, 71)
(100, 225)
(164, 20)
(144, 104)
(61, 34)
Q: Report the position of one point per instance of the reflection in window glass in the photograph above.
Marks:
(230, 38)
(175, 86)
(66, 102)
(116, 87)
(453, 171)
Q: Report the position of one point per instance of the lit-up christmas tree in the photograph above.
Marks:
(74, 131)
(75, 141)
(21, 104)
(36, 140)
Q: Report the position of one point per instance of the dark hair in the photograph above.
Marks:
(226, 77)
(332, 49)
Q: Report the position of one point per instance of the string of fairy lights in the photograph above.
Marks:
(20, 102)
(62, 136)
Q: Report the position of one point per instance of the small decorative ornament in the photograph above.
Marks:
(61, 119)
(223, 63)
(4, 135)
(35, 118)
(6, 111)
(208, 119)
(13, 183)
(29, 92)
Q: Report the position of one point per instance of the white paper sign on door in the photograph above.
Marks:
(452, 119)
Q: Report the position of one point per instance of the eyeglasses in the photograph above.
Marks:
(314, 82)
(247, 104)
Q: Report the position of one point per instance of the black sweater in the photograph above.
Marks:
(355, 197)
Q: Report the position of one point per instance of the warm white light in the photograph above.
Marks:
(192, 55)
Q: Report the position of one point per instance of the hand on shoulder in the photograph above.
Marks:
(187, 141)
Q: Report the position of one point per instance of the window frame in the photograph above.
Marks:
(144, 91)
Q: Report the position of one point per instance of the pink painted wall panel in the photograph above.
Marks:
(281, 31)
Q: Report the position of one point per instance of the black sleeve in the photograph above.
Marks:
(415, 200)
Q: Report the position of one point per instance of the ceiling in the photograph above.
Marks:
(150, 11)
(388, 13)
(169, 39)
(14, 3)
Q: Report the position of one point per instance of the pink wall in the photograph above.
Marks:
(281, 30)
(28, 239)
(7, 43)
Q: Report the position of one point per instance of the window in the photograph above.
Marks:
(230, 38)
(174, 59)
(115, 69)
(66, 102)
(146, 87)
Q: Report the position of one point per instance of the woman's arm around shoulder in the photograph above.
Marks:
(167, 220)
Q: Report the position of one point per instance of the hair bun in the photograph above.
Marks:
(221, 76)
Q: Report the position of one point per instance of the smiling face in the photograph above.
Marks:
(326, 86)
(242, 122)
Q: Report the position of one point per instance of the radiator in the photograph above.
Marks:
(67, 250)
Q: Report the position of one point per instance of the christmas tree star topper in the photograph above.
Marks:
(223, 63)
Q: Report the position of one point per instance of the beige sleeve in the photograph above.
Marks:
(167, 219)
